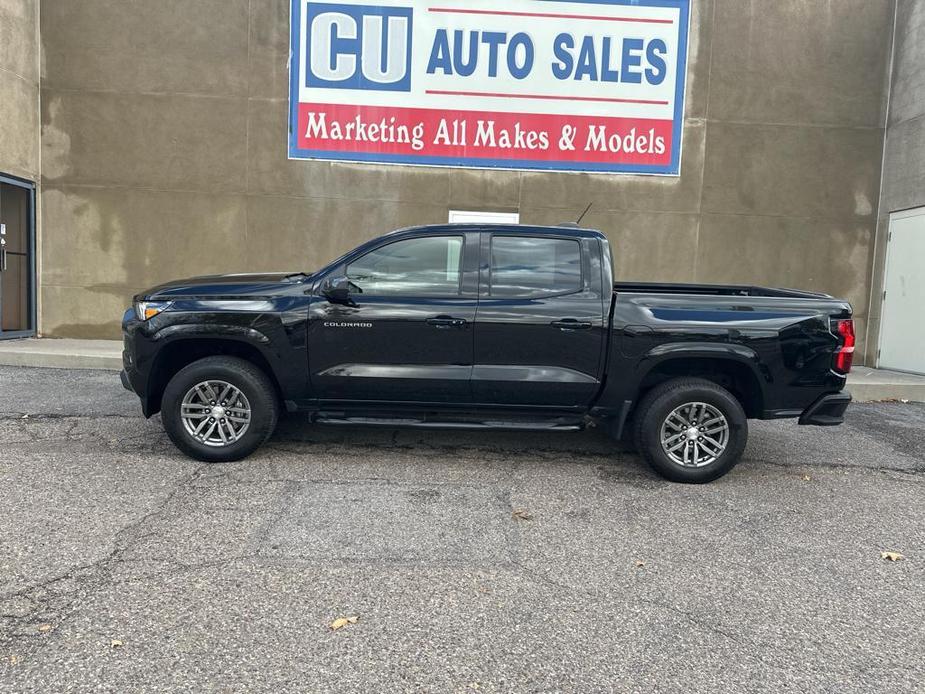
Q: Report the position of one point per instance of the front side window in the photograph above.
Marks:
(429, 266)
(529, 266)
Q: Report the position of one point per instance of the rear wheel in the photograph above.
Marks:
(219, 409)
(690, 430)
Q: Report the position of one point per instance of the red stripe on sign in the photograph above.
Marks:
(471, 136)
(547, 15)
(499, 95)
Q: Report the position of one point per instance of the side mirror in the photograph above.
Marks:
(337, 290)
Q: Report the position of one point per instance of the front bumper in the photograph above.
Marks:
(126, 383)
(134, 374)
(827, 411)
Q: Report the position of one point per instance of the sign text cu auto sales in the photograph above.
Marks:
(568, 85)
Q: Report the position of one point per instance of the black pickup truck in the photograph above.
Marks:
(497, 327)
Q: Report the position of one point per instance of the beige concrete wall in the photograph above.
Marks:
(164, 154)
(19, 88)
(903, 185)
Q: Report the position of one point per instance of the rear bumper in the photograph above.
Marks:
(827, 411)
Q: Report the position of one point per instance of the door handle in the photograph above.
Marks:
(571, 324)
(444, 322)
(2, 258)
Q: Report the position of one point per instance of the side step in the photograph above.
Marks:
(434, 422)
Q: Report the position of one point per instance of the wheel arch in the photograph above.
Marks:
(179, 353)
(732, 371)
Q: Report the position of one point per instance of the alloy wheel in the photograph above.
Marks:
(694, 434)
(215, 413)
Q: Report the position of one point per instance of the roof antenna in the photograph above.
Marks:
(578, 223)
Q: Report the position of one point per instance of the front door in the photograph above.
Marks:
(17, 251)
(406, 335)
(540, 328)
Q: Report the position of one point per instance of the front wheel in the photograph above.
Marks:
(690, 430)
(219, 409)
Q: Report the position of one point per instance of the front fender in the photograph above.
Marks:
(210, 330)
(163, 345)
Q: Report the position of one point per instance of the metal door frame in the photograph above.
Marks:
(902, 214)
(32, 279)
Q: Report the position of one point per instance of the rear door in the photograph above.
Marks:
(541, 321)
(407, 337)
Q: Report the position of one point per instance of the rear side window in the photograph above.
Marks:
(427, 266)
(527, 266)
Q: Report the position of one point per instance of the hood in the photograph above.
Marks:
(217, 286)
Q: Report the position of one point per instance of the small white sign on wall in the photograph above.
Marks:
(476, 217)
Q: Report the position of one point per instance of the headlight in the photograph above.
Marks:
(145, 310)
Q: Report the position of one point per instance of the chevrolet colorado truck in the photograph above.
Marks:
(487, 326)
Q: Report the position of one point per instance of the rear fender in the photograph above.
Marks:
(743, 359)
(742, 353)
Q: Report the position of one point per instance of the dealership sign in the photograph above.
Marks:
(564, 85)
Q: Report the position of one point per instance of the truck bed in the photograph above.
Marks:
(713, 290)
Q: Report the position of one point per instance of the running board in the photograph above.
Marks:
(549, 424)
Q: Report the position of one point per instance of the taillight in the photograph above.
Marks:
(845, 352)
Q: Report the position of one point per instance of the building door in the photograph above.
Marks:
(902, 331)
(17, 258)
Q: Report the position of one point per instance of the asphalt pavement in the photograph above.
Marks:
(472, 562)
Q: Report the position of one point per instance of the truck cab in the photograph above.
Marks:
(509, 317)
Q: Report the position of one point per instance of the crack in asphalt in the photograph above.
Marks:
(39, 416)
(844, 466)
(694, 619)
(54, 598)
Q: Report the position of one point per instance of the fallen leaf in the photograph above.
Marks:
(892, 556)
(521, 514)
(14, 659)
(44, 628)
(806, 478)
(479, 587)
(341, 622)
(115, 643)
(640, 564)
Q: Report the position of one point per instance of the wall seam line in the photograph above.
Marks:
(37, 216)
(247, 127)
(706, 134)
(871, 356)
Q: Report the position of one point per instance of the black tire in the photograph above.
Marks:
(661, 401)
(249, 379)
